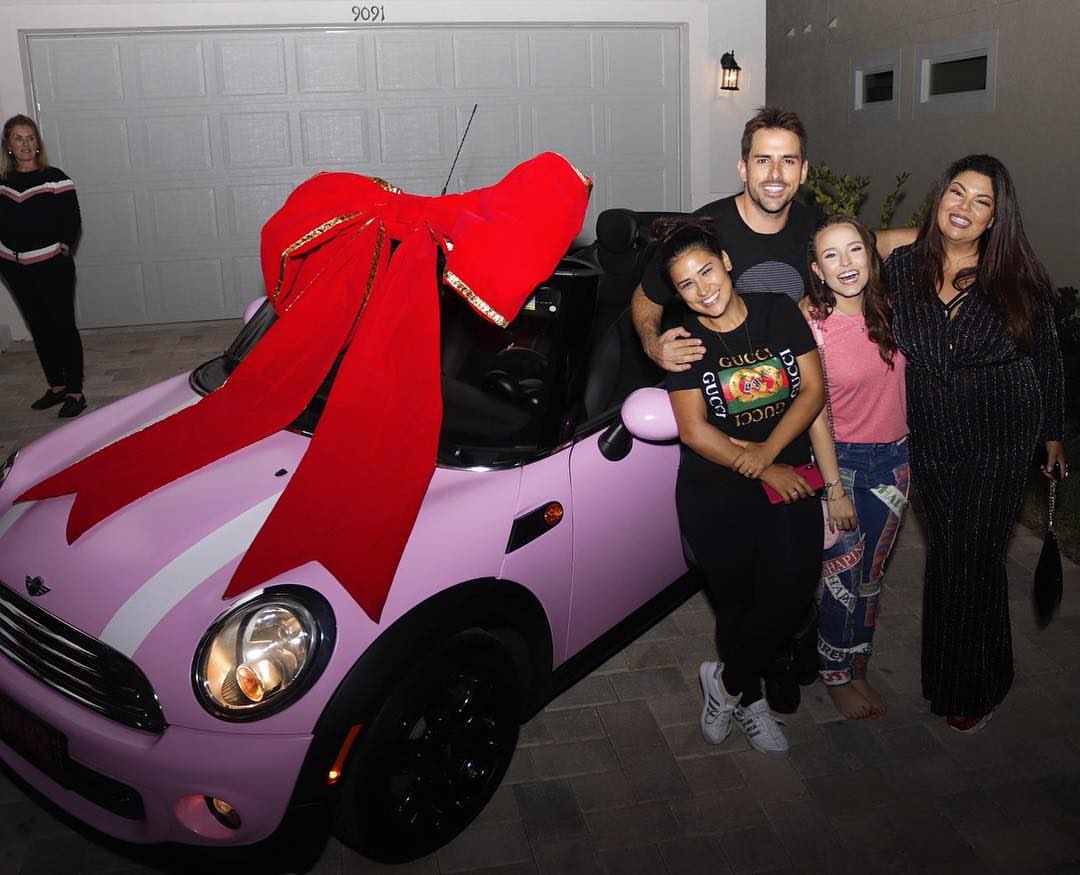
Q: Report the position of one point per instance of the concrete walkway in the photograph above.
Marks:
(614, 776)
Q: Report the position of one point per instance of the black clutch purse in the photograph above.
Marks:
(1046, 592)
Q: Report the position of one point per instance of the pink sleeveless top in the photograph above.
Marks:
(868, 398)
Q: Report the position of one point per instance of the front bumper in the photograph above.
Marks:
(170, 773)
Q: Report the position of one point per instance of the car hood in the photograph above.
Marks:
(189, 528)
(124, 575)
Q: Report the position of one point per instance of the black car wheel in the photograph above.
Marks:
(435, 752)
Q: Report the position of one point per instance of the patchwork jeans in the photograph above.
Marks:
(877, 477)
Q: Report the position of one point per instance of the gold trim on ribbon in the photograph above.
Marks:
(374, 268)
(478, 303)
(307, 238)
(585, 180)
(383, 184)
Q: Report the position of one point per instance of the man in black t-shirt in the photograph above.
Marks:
(774, 262)
(764, 229)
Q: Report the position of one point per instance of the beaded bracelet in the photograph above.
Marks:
(829, 485)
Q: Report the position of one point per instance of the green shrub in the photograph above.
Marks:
(846, 194)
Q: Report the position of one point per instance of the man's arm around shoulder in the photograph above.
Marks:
(675, 349)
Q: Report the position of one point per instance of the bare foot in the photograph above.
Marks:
(848, 701)
(876, 700)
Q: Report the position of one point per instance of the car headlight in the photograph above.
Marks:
(5, 469)
(264, 653)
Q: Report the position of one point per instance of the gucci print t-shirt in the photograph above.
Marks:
(749, 377)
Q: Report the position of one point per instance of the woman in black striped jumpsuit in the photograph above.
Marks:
(974, 317)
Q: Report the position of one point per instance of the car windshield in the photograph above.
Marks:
(498, 384)
(559, 371)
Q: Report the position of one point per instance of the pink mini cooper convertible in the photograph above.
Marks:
(136, 699)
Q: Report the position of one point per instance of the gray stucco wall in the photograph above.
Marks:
(1034, 129)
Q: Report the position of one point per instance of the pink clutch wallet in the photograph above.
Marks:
(809, 472)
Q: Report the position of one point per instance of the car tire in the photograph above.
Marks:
(435, 752)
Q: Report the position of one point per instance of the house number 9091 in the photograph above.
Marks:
(369, 13)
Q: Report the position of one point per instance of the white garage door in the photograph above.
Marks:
(183, 143)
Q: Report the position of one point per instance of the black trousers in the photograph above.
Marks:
(45, 295)
(762, 563)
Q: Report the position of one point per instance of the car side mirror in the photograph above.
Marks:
(648, 415)
(252, 308)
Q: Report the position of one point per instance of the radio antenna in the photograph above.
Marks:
(458, 153)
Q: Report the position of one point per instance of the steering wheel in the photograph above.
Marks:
(517, 375)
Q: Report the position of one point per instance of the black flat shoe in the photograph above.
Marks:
(49, 399)
(806, 655)
(782, 686)
(72, 407)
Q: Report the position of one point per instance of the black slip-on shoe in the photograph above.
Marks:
(806, 655)
(49, 399)
(781, 686)
(72, 407)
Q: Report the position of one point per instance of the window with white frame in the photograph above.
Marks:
(875, 87)
(956, 76)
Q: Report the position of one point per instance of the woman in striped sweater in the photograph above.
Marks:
(39, 224)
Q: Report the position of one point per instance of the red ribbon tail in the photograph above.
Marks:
(259, 398)
(354, 497)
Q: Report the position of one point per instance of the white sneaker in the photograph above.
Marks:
(762, 729)
(719, 706)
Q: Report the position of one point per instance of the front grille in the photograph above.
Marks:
(75, 664)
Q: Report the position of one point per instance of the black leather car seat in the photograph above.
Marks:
(618, 364)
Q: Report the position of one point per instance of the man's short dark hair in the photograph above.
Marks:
(773, 117)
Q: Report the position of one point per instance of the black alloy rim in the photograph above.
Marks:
(448, 753)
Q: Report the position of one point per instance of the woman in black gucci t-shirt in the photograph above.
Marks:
(744, 412)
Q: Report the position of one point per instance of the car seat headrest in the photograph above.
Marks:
(619, 241)
(622, 238)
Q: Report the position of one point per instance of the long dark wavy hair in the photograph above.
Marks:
(877, 309)
(675, 235)
(1008, 272)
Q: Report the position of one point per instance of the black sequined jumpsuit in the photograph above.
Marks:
(977, 409)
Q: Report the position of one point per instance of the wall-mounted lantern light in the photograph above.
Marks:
(729, 72)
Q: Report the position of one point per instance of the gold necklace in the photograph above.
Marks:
(746, 332)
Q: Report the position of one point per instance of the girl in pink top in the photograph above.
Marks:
(866, 469)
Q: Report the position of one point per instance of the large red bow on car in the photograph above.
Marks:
(329, 271)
